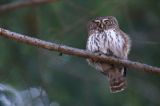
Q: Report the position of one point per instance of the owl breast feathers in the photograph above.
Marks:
(106, 38)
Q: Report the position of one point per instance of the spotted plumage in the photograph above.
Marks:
(107, 39)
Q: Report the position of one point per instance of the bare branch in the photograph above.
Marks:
(17, 5)
(76, 52)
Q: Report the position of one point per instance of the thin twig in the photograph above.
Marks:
(75, 52)
(17, 5)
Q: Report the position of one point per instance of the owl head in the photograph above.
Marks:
(103, 23)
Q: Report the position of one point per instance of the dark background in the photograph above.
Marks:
(69, 80)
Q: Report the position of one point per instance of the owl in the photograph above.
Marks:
(107, 39)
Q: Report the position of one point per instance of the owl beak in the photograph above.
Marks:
(101, 25)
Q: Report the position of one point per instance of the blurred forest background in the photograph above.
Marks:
(69, 80)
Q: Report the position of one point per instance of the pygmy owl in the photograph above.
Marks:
(107, 39)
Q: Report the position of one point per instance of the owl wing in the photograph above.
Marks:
(117, 43)
(127, 43)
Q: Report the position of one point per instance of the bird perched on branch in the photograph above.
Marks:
(107, 39)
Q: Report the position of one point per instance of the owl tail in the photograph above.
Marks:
(117, 81)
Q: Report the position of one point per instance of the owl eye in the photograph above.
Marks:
(97, 22)
(107, 22)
